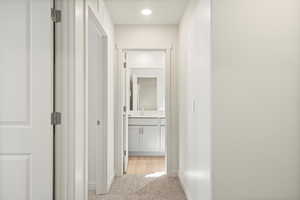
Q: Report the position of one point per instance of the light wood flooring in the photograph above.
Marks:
(146, 164)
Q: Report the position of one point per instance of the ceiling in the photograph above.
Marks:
(129, 11)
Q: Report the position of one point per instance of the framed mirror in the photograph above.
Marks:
(147, 94)
(146, 91)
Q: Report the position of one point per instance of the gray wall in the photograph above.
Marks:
(256, 99)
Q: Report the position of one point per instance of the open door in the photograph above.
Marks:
(97, 50)
(25, 100)
(125, 100)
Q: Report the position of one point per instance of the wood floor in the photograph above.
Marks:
(145, 164)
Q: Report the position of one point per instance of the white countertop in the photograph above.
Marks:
(147, 116)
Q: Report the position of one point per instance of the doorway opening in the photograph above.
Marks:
(144, 111)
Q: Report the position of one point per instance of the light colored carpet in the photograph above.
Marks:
(143, 187)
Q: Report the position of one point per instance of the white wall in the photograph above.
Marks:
(194, 85)
(256, 100)
(154, 36)
(132, 36)
(103, 16)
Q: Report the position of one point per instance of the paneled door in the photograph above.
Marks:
(125, 80)
(134, 138)
(25, 100)
(151, 139)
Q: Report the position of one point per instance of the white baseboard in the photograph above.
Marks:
(146, 153)
(183, 185)
(92, 186)
(110, 183)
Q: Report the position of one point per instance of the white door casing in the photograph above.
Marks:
(25, 100)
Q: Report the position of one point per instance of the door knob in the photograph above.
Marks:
(98, 122)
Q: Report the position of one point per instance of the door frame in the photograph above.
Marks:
(72, 161)
(169, 73)
(101, 177)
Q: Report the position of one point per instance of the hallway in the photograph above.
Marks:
(143, 187)
(149, 100)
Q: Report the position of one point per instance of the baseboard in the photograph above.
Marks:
(92, 186)
(183, 185)
(110, 182)
(144, 153)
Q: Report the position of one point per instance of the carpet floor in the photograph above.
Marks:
(143, 187)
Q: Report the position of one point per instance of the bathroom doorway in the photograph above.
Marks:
(144, 100)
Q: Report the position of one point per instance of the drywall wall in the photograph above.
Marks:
(99, 8)
(154, 36)
(256, 100)
(194, 85)
(145, 36)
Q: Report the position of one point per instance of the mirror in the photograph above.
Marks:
(147, 94)
(146, 82)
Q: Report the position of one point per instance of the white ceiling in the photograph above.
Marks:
(129, 11)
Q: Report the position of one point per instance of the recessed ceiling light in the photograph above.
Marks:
(146, 12)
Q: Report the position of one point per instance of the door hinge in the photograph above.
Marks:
(55, 15)
(125, 65)
(125, 152)
(56, 118)
(124, 109)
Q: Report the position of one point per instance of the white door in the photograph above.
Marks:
(25, 100)
(126, 106)
(97, 141)
(101, 140)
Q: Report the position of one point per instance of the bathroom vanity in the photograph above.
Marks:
(146, 97)
(146, 135)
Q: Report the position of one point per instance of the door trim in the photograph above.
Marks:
(71, 166)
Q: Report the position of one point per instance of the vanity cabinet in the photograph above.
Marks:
(134, 137)
(144, 97)
(147, 139)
